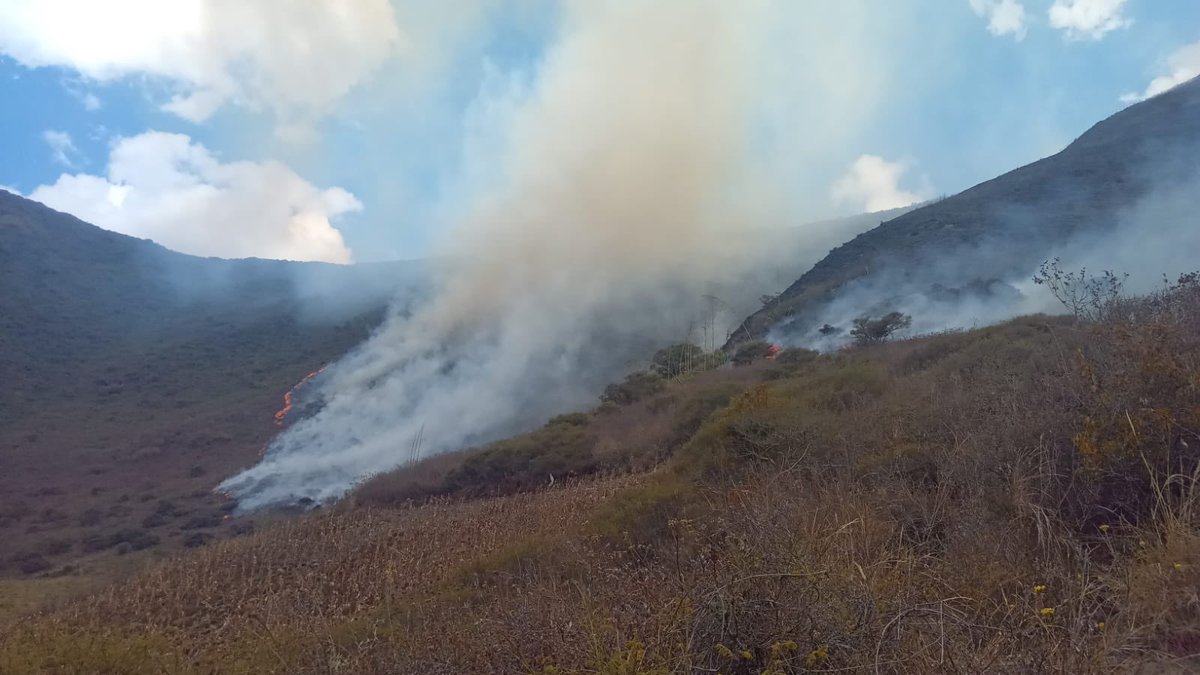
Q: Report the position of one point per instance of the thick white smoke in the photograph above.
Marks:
(616, 195)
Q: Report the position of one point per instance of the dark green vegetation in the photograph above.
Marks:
(1020, 498)
(1006, 225)
(134, 379)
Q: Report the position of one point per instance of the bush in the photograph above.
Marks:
(32, 563)
(867, 330)
(201, 521)
(525, 462)
(750, 352)
(675, 360)
(136, 539)
(90, 518)
(576, 419)
(796, 356)
(197, 539)
(635, 387)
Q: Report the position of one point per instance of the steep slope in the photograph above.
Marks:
(134, 377)
(1006, 225)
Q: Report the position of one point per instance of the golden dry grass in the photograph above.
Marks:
(1022, 498)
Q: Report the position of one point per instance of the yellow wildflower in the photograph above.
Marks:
(1039, 588)
(1047, 611)
(1178, 567)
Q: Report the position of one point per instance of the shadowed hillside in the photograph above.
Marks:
(1006, 225)
(135, 378)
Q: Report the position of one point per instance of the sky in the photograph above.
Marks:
(366, 130)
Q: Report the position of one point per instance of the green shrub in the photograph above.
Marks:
(750, 352)
(867, 330)
(524, 462)
(635, 387)
(576, 419)
(675, 360)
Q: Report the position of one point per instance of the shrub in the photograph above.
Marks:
(750, 352)
(867, 330)
(197, 539)
(154, 520)
(1087, 297)
(576, 419)
(635, 387)
(136, 539)
(201, 521)
(32, 563)
(675, 360)
(91, 518)
(524, 462)
(796, 356)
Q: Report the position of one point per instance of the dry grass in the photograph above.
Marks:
(1016, 499)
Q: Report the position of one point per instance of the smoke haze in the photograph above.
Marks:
(991, 281)
(611, 192)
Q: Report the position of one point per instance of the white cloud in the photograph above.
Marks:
(874, 183)
(1005, 17)
(1088, 19)
(62, 148)
(167, 188)
(1182, 65)
(296, 61)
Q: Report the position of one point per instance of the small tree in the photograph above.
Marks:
(867, 330)
(1087, 297)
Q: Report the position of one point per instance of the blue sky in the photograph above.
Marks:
(335, 137)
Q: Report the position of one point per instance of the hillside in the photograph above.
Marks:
(1002, 227)
(135, 378)
(1020, 498)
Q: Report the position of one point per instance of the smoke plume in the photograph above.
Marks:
(611, 196)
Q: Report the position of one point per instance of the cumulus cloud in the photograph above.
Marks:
(1182, 65)
(167, 188)
(62, 148)
(274, 54)
(1088, 19)
(1005, 17)
(874, 183)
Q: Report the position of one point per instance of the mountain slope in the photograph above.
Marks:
(1006, 225)
(135, 377)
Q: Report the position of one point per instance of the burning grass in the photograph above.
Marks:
(1021, 498)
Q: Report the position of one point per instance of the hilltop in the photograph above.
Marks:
(1005, 226)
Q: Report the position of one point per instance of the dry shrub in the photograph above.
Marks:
(1021, 498)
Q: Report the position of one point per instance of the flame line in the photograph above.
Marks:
(290, 394)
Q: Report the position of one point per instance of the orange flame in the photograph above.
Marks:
(290, 395)
(772, 352)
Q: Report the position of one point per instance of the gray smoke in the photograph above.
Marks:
(609, 195)
(976, 285)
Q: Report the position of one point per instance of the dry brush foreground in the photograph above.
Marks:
(1020, 498)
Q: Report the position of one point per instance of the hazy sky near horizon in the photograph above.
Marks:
(363, 130)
